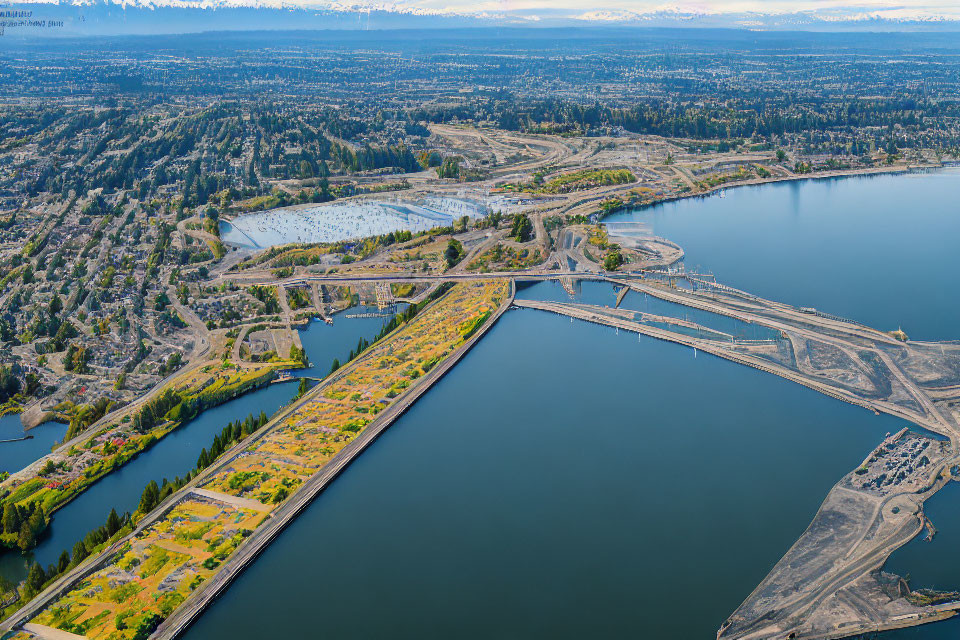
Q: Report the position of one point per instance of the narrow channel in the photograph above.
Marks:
(177, 453)
(18, 448)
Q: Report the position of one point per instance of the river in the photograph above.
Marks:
(568, 481)
(17, 453)
(878, 249)
(563, 481)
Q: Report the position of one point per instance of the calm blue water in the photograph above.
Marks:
(324, 342)
(16, 455)
(933, 564)
(915, 558)
(562, 481)
(174, 455)
(879, 249)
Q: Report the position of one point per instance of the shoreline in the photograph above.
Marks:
(757, 182)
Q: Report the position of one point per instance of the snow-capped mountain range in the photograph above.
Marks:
(117, 17)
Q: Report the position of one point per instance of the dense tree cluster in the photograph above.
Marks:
(155, 411)
(454, 252)
(522, 229)
(9, 384)
(38, 577)
(21, 525)
(726, 119)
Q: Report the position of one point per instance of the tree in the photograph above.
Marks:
(113, 520)
(450, 168)
(299, 355)
(148, 626)
(64, 562)
(427, 159)
(522, 228)
(79, 552)
(150, 497)
(781, 155)
(306, 169)
(454, 252)
(11, 518)
(30, 528)
(25, 539)
(35, 579)
(302, 387)
(9, 384)
(613, 260)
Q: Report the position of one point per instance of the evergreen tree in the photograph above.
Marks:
(113, 521)
(149, 498)
(25, 539)
(79, 552)
(64, 562)
(11, 518)
(35, 579)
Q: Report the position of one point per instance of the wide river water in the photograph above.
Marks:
(569, 481)
(878, 249)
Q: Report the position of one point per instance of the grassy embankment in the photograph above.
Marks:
(580, 180)
(65, 475)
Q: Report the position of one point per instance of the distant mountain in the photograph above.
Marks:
(31, 20)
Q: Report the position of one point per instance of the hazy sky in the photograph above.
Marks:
(591, 9)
